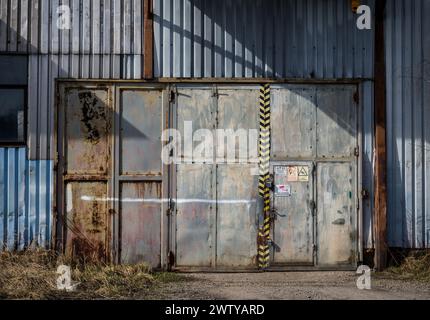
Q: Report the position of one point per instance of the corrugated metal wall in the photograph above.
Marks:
(407, 30)
(25, 200)
(105, 41)
(277, 38)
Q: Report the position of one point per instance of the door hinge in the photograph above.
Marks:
(170, 207)
(215, 91)
(314, 246)
(56, 159)
(357, 151)
(364, 194)
(172, 96)
(170, 260)
(356, 97)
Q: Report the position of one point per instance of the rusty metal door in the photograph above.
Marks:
(110, 172)
(85, 128)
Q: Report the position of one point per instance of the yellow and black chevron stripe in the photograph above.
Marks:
(264, 162)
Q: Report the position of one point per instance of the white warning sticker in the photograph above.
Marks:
(283, 190)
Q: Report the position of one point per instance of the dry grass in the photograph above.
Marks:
(32, 275)
(412, 267)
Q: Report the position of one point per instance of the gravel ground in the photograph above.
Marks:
(289, 286)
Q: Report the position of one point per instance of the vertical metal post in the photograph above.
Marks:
(380, 210)
(148, 40)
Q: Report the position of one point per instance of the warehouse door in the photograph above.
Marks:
(216, 202)
(314, 165)
(110, 172)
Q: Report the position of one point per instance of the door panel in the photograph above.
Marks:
(88, 122)
(293, 123)
(140, 134)
(195, 215)
(336, 202)
(292, 201)
(110, 172)
(140, 222)
(237, 205)
(336, 122)
(138, 174)
(87, 221)
(86, 119)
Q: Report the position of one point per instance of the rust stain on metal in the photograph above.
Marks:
(86, 222)
(93, 116)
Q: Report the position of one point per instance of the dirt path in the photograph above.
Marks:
(291, 285)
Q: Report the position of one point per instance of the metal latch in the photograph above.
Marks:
(274, 214)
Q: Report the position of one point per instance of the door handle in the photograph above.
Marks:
(274, 214)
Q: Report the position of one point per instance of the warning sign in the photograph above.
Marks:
(292, 174)
(283, 190)
(303, 173)
(281, 170)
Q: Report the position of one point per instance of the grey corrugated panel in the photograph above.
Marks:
(25, 200)
(97, 26)
(408, 111)
(44, 69)
(273, 38)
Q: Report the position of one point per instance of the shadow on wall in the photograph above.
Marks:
(275, 39)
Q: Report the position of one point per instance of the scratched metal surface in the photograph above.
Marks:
(336, 214)
(238, 208)
(140, 134)
(87, 221)
(88, 122)
(140, 210)
(293, 231)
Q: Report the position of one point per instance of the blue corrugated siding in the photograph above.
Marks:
(407, 30)
(25, 200)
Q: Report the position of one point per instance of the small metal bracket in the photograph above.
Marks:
(215, 93)
(365, 194)
(172, 95)
(170, 207)
(357, 151)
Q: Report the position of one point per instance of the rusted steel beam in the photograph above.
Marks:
(148, 40)
(380, 208)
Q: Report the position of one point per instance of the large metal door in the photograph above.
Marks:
(85, 158)
(110, 172)
(217, 207)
